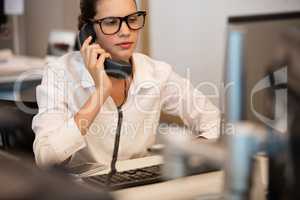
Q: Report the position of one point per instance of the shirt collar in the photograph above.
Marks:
(143, 73)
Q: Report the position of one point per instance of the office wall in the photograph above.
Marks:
(192, 33)
(42, 16)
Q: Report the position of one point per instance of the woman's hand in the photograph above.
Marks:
(95, 64)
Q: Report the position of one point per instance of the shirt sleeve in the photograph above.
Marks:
(57, 135)
(180, 98)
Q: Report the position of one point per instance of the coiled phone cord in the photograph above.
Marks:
(113, 169)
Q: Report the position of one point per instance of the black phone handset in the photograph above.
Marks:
(114, 68)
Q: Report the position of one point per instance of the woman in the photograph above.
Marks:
(80, 105)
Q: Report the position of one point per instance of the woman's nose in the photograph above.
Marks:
(124, 29)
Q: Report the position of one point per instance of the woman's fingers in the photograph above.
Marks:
(91, 48)
(95, 53)
(84, 49)
(86, 43)
(87, 48)
(101, 59)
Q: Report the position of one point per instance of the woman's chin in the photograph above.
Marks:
(123, 56)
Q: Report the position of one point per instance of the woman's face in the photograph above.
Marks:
(114, 44)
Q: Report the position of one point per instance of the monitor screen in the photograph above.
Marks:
(14, 7)
(253, 42)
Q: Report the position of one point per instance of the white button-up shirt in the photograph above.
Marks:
(67, 85)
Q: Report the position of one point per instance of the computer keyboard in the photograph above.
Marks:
(126, 179)
(139, 177)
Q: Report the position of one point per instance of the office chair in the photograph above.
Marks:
(15, 127)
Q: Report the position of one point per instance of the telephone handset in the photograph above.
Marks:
(114, 68)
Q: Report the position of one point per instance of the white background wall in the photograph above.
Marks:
(192, 33)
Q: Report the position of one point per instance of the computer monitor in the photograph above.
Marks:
(14, 7)
(252, 44)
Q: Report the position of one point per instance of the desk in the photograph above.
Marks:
(203, 186)
(208, 185)
(25, 70)
(18, 64)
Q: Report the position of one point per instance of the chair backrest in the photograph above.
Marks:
(15, 126)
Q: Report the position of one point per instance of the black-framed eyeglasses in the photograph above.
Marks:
(112, 25)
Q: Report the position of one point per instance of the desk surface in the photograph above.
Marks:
(22, 74)
(21, 68)
(188, 188)
(203, 186)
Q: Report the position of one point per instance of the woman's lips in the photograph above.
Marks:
(125, 45)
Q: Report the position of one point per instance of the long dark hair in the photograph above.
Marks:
(87, 11)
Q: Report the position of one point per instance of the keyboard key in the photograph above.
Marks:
(131, 178)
